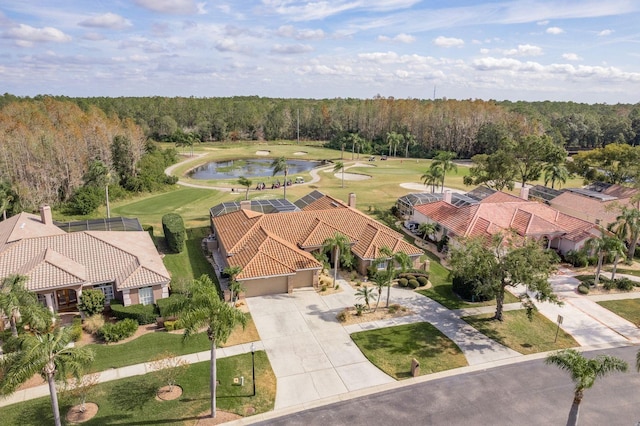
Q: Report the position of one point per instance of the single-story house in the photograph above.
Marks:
(123, 265)
(501, 212)
(274, 250)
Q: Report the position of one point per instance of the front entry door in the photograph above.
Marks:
(66, 299)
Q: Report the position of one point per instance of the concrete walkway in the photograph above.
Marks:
(132, 370)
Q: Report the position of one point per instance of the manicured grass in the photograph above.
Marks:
(191, 263)
(132, 401)
(442, 292)
(148, 346)
(628, 309)
(392, 349)
(520, 334)
(634, 272)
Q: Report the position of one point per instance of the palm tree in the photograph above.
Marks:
(19, 303)
(366, 293)
(583, 372)
(394, 139)
(339, 242)
(233, 272)
(410, 140)
(280, 165)
(391, 259)
(433, 176)
(427, 229)
(49, 355)
(555, 172)
(339, 165)
(445, 159)
(246, 183)
(618, 249)
(627, 226)
(600, 246)
(203, 308)
(380, 280)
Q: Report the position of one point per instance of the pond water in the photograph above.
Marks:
(252, 167)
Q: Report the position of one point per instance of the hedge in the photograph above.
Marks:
(143, 314)
(163, 304)
(91, 302)
(174, 231)
(121, 330)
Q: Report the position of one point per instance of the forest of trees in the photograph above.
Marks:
(47, 144)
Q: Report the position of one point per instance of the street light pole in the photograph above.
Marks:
(253, 368)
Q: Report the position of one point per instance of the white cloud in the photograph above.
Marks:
(26, 35)
(484, 51)
(545, 22)
(604, 33)
(307, 11)
(571, 57)
(107, 20)
(524, 50)
(93, 36)
(227, 45)
(171, 7)
(400, 38)
(554, 30)
(291, 49)
(448, 42)
(305, 34)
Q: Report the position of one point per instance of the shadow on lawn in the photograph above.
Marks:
(133, 395)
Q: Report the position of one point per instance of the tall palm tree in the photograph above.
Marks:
(337, 244)
(246, 183)
(445, 159)
(583, 372)
(394, 139)
(380, 281)
(433, 176)
(627, 226)
(203, 308)
(391, 259)
(19, 303)
(367, 294)
(339, 165)
(427, 229)
(280, 165)
(601, 246)
(618, 249)
(47, 354)
(410, 140)
(555, 173)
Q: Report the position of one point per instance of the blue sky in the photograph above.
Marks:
(574, 50)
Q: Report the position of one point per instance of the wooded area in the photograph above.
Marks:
(49, 143)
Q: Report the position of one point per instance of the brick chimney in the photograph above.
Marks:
(45, 215)
(245, 205)
(524, 193)
(352, 200)
(447, 197)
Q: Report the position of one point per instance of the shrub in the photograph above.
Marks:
(359, 309)
(413, 284)
(143, 314)
(121, 330)
(76, 329)
(86, 199)
(608, 284)
(91, 302)
(393, 308)
(174, 231)
(170, 325)
(93, 323)
(410, 277)
(583, 289)
(149, 229)
(472, 290)
(423, 281)
(403, 282)
(624, 284)
(343, 315)
(163, 304)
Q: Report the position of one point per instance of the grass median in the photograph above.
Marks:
(628, 309)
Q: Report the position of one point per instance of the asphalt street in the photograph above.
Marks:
(527, 393)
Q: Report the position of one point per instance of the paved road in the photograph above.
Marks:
(528, 393)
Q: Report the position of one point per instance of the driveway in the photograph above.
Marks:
(311, 354)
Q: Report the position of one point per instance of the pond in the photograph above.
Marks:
(252, 167)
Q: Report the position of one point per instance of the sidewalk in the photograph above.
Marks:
(133, 370)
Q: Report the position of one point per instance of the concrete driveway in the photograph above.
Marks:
(311, 354)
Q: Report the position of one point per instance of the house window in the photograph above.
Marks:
(107, 290)
(146, 295)
(382, 265)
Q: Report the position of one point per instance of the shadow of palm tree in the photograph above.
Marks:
(132, 396)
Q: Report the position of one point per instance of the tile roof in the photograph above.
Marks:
(501, 211)
(52, 258)
(251, 242)
(605, 211)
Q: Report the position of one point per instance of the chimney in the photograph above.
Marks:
(245, 205)
(447, 197)
(352, 200)
(45, 215)
(524, 193)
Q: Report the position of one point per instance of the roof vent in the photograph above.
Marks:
(334, 204)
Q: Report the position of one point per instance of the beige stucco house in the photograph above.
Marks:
(123, 265)
(274, 250)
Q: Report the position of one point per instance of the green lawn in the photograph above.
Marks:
(191, 262)
(628, 309)
(520, 334)
(442, 292)
(148, 346)
(132, 401)
(391, 349)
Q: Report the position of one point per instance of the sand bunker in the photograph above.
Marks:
(352, 176)
(300, 153)
(263, 152)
